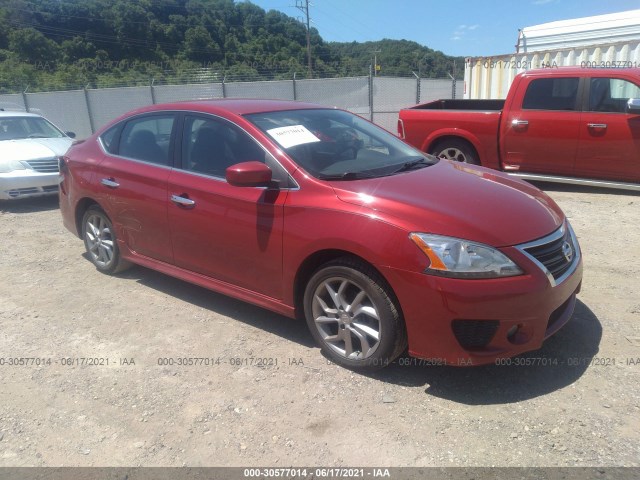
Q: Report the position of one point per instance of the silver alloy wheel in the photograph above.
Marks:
(99, 240)
(453, 153)
(346, 318)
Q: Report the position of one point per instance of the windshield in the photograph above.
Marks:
(14, 128)
(337, 145)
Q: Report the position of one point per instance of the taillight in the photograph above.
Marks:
(63, 169)
(401, 128)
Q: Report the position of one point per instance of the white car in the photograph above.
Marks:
(30, 147)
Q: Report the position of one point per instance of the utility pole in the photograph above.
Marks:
(303, 6)
(375, 62)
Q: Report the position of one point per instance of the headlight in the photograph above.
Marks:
(10, 166)
(454, 257)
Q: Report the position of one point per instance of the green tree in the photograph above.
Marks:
(31, 46)
(200, 47)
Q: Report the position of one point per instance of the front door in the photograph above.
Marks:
(232, 234)
(540, 135)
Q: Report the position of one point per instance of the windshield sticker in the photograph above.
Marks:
(292, 136)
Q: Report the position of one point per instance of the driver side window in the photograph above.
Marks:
(210, 146)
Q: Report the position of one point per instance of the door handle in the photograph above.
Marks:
(183, 201)
(519, 123)
(109, 182)
(597, 125)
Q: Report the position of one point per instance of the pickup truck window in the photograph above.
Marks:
(611, 94)
(551, 94)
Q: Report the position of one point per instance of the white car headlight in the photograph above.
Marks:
(10, 166)
(454, 257)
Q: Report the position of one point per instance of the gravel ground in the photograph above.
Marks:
(578, 405)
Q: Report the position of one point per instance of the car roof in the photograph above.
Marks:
(237, 106)
(15, 113)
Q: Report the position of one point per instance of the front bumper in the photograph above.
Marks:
(27, 183)
(475, 322)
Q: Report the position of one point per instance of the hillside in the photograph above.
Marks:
(57, 44)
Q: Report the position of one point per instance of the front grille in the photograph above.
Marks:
(49, 165)
(21, 192)
(556, 253)
(18, 192)
(474, 333)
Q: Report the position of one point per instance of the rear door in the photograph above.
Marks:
(132, 179)
(232, 234)
(539, 132)
(609, 136)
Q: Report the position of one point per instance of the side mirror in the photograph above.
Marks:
(249, 174)
(70, 134)
(633, 105)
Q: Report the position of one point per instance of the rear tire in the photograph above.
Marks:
(101, 242)
(456, 150)
(352, 314)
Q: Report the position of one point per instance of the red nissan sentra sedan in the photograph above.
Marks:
(314, 212)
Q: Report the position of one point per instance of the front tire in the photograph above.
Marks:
(101, 242)
(353, 316)
(456, 150)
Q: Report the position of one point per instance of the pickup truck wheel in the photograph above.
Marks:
(456, 150)
(351, 313)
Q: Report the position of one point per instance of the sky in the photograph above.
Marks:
(455, 27)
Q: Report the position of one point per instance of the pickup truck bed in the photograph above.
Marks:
(486, 105)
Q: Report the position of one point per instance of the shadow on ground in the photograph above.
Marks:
(289, 329)
(561, 361)
(29, 205)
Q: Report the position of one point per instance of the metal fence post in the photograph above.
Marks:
(295, 93)
(224, 90)
(24, 99)
(453, 86)
(417, 87)
(153, 93)
(371, 93)
(86, 101)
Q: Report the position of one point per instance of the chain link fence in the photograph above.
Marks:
(378, 99)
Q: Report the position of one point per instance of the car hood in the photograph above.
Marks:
(33, 148)
(459, 200)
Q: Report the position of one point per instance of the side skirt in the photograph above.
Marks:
(218, 286)
(577, 181)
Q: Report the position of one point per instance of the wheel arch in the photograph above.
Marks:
(448, 137)
(81, 207)
(313, 261)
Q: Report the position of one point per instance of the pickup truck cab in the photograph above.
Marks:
(571, 124)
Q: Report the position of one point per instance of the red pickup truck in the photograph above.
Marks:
(574, 125)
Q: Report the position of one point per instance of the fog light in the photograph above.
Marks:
(512, 331)
(519, 334)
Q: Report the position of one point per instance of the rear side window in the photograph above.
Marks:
(108, 139)
(147, 139)
(551, 94)
(611, 94)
